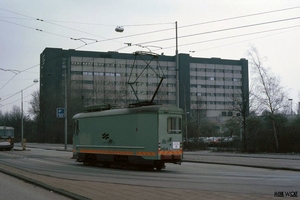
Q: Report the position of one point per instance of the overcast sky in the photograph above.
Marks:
(206, 28)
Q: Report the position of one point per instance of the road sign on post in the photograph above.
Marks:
(60, 112)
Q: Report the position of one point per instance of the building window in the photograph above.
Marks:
(98, 73)
(109, 74)
(88, 73)
(220, 70)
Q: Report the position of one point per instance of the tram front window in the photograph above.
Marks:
(174, 125)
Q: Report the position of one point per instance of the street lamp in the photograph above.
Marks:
(119, 29)
(186, 128)
(291, 105)
(66, 105)
(22, 129)
(177, 66)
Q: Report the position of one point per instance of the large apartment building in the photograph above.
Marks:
(85, 78)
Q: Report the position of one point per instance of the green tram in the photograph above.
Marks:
(7, 137)
(143, 137)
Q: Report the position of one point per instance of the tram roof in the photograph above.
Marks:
(124, 111)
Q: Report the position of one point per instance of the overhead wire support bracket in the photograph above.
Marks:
(11, 70)
(82, 40)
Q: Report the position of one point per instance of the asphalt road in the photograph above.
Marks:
(51, 166)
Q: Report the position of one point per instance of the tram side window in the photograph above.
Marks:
(76, 127)
(174, 125)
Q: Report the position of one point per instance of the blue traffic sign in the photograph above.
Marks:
(60, 112)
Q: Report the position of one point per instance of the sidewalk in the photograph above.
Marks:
(268, 161)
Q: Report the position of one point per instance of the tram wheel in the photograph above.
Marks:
(90, 160)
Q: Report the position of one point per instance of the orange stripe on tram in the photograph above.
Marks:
(170, 152)
(106, 152)
(140, 153)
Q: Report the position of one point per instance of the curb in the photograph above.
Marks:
(243, 165)
(43, 185)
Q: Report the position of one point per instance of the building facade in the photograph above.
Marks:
(84, 78)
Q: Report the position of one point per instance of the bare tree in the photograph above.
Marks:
(269, 94)
(35, 104)
(241, 106)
